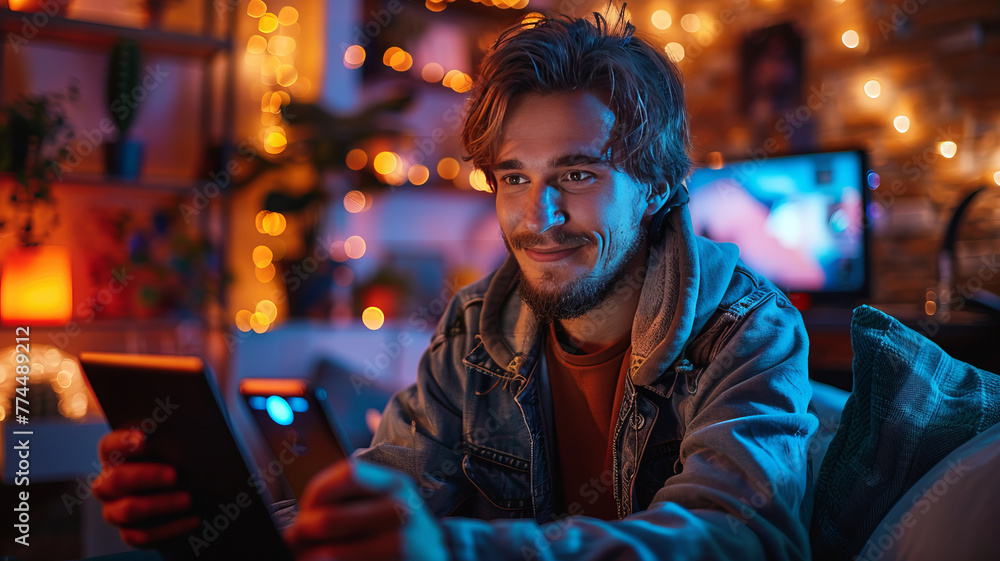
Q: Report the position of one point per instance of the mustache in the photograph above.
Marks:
(528, 240)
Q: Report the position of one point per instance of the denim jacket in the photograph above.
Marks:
(709, 448)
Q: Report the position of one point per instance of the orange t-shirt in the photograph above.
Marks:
(586, 392)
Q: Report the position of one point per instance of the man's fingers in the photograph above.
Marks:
(139, 510)
(348, 481)
(149, 537)
(347, 522)
(117, 446)
(132, 478)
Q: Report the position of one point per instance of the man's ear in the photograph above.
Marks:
(656, 198)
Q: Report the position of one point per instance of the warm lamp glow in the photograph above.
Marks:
(262, 256)
(36, 286)
(902, 123)
(268, 308)
(256, 8)
(385, 162)
(256, 45)
(461, 83)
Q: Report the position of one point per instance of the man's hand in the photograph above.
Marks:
(360, 511)
(140, 498)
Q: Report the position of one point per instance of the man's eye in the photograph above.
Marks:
(578, 175)
(513, 179)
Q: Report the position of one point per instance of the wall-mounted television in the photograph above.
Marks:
(799, 220)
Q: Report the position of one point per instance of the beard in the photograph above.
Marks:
(578, 296)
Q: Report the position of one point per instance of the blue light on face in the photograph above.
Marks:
(279, 410)
(257, 402)
(298, 404)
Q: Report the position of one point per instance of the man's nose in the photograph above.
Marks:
(545, 208)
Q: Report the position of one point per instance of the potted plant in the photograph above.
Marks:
(34, 142)
(124, 157)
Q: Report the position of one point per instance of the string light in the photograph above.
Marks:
(418, 174)
(448, 168)
(478, 180)
(850, 39)
(873, 89)
(354, 56)
(356, 159)
(690, 23)
(355, 247)
(948, 149)
(675, 50)
(901, 123)
(661, 19)
(355, 202)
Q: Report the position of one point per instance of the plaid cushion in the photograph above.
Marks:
(911, 405)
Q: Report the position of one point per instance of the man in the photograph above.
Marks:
(619, 388)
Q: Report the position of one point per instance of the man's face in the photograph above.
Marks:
(571, 220)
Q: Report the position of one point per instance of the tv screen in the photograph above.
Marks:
(798, 220)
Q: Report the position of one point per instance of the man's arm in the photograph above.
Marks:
(744, 454)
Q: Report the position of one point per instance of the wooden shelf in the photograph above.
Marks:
(94, 35)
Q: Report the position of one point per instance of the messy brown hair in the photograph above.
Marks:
(649, 139)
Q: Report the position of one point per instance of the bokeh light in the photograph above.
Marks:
(286, 75)
(259, 322)
(661, 19)
(262, 256)
(274, 223)
(432, 72)
(948, 149)
(478, 180)
(690, 23)
(268, 308)
(448, 168)
(355, 201)
(256, 8)
(343, 275)
(418, 174)
(267, 23)
(357, 159)
(355, 247)
(243, 320)
(373, 318)
(901, 123)
(354, 56)
(386, 162)
(873, 89)
(288, 16)
(850, 39)
(996, 177)
(675, 50)
(265, 274)
(389, 53)
(256, 45)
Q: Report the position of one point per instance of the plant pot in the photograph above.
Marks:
(124, 159)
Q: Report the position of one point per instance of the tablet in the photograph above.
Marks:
(175, 401)
(300, 428)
